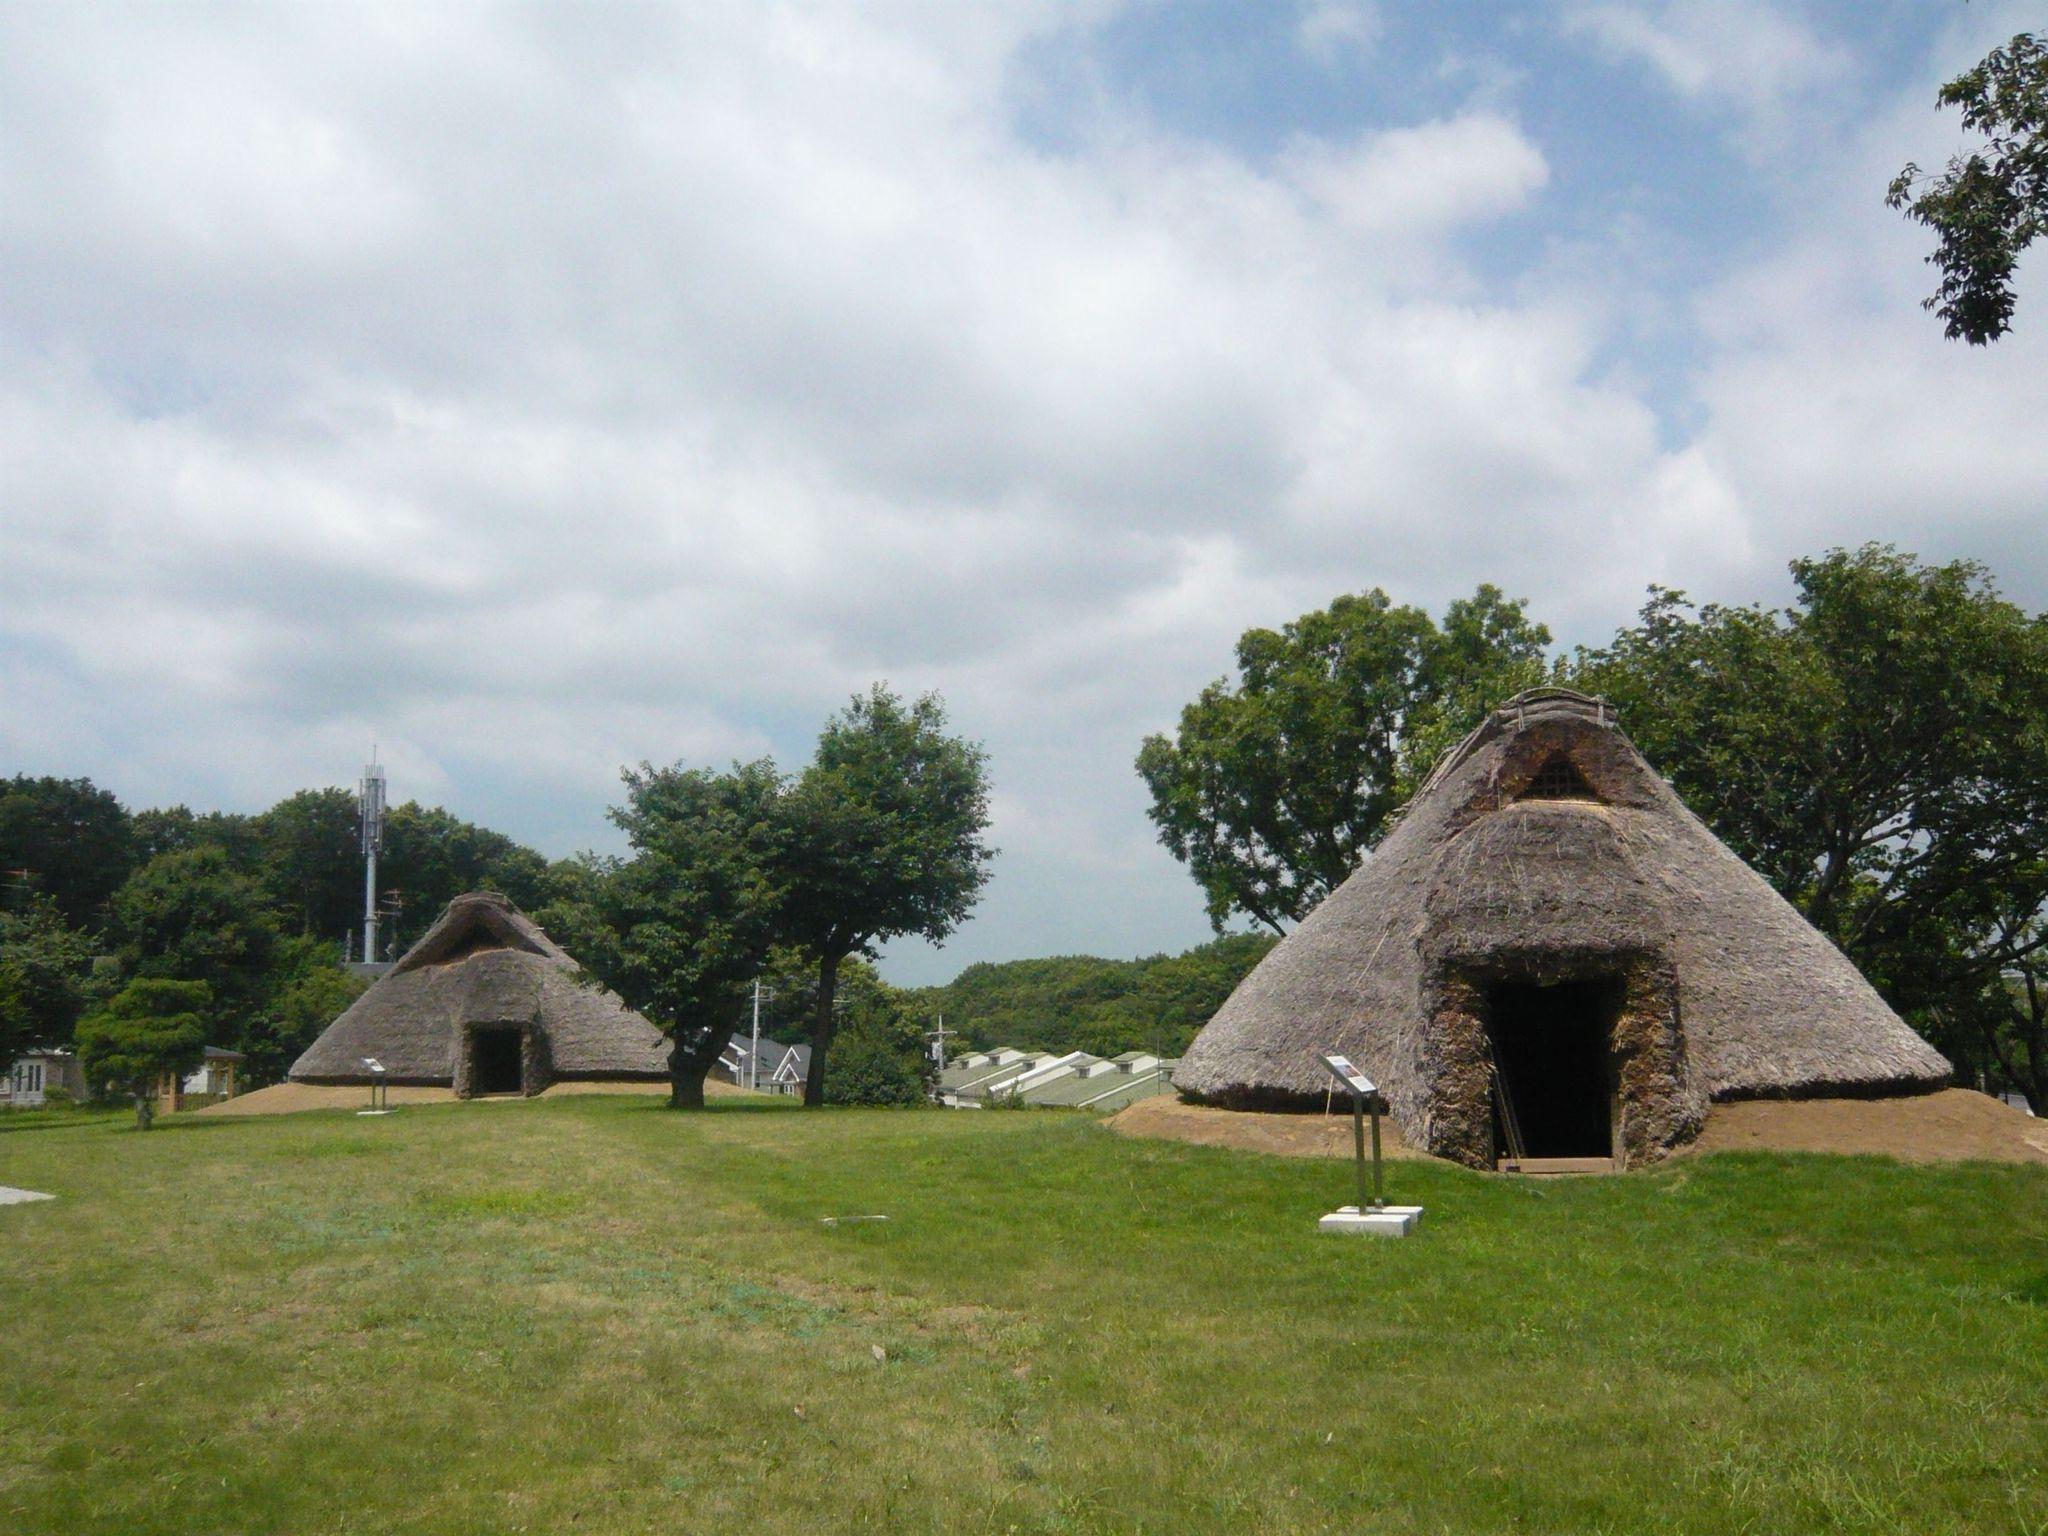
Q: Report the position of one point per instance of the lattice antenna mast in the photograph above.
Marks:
(370, 801)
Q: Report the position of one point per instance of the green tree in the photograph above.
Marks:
(46, 962)
(883, 835)
(431, 857)
(1987, 206)
(306, 990)
(1878, 751)
(191, 917)
(680, 929)
(878, 1055)
(149, 1028)
(311, 861)
(65, 838)
(1275, 787)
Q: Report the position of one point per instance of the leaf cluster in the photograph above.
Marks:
(1986, 207)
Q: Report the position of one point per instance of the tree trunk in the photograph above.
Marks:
(821, 1030)
(692, 1058)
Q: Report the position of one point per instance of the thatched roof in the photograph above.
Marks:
(483, 962)
(1543, 847)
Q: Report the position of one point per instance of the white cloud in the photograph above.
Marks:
(1759, 60)
(1329, 30)
(1409, 184)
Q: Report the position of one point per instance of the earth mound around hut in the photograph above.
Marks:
(1951, 1125)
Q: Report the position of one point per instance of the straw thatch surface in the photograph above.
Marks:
(1951, 1125)
(1729, 992)
(484, 964)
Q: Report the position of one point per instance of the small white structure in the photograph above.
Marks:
(33, 1075)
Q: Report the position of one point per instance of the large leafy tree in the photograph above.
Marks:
(884, 834)
(65, 838)
(44, 963)
(191, 917)
(149, 1028)
(311, 861)
(432, 856)
(1879, 751)
(681, 928)
(1987, 206)
(1275, 786)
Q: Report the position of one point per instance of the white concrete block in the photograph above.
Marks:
(1386, 1221)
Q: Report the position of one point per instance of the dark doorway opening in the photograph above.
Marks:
(495, 1064)
(1553, 1060)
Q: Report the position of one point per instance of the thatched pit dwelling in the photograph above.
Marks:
(485, 1003)
(1549, 956)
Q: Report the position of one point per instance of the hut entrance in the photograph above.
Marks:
(1553, 1068)
(495, 1064)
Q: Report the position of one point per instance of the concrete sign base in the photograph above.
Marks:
(1386, 1221)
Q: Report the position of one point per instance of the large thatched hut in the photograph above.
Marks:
(485, 1003)
(1550, 956)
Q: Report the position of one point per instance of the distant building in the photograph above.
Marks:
(214, 1079)
(30, 1078)
(1070, 1080)
(774, 1068)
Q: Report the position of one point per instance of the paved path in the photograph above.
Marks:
(20, 1196)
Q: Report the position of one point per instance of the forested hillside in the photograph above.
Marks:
(1084, 1003)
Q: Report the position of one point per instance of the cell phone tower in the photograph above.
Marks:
(370, 800)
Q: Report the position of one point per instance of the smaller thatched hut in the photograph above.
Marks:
(485, 1003)
(1549, 956)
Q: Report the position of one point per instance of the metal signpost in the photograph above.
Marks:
(380, 1090)
(1372, 1214)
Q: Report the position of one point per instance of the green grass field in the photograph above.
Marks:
(594, 1315)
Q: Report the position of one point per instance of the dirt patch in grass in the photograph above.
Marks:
(1953, 1125)
(1289, 1135)
(291, 1098)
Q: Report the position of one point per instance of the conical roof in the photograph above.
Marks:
(1543, 848)
(484, 963)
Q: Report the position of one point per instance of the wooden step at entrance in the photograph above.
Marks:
(1549, 1167)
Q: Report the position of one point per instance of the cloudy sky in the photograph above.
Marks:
(538, 390)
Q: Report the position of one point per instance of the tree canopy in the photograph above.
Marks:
(66, 838)
(884, 834)
(1274, 787)
(681, 929)
(1988, 206)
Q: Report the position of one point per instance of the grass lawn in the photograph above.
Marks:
(591, 1314)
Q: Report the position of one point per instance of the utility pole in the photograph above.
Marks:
(938, 1040)
(754, 1054)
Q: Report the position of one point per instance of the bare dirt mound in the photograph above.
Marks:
(291, 1098)
(1944, 1127)
(1948, 1126)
